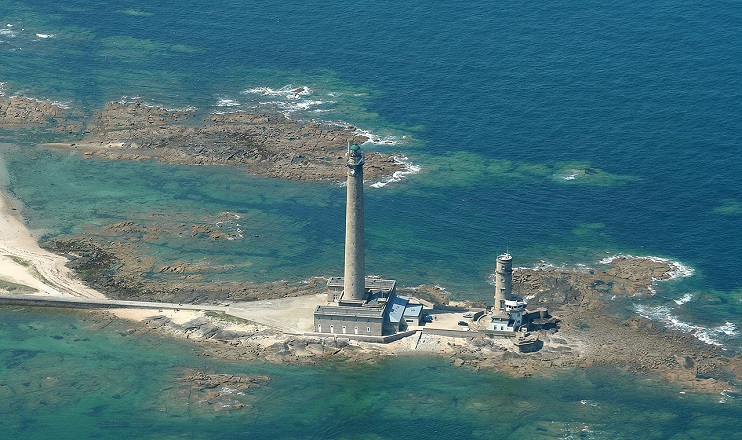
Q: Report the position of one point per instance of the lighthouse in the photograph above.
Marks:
(354, 277)
(356, 306)
(503, 281)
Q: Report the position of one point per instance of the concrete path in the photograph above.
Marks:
(290, 315)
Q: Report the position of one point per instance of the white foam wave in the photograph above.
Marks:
(293, 101)
(226, 102)
(288, 91)
(289, 108)
(189, 109)
(60, 104)
(677, 270)
(2, 88)
(706, 335)
(409, 169)
(305, 105)
(231, 226)
(374, 138)
(684, 299)
(45, 36)
(138, 99)
(129, 99)
(726, 395)
(8, 33)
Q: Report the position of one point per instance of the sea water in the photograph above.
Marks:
(68, 376)
(563, 132)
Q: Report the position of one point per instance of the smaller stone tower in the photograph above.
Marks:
(503, 282)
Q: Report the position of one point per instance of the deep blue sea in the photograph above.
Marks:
(563, 131)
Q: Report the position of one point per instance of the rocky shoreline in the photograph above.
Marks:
(121, 271)
(586, 336)
(269, 145)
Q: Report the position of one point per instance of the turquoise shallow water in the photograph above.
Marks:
(67, 376)
(565, 132)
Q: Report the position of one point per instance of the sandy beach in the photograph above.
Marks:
(27, 268)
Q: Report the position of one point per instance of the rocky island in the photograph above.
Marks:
(269, 145)
(586, 335)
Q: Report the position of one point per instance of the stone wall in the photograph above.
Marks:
(322, 325)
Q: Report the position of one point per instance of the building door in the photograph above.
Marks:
(343, 329)
(319, 328)
(355, 330)
(332, 329)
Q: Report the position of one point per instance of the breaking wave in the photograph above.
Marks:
(409, 169)
(8, 33)
(684, 299)
(231, 226)
(376, 139)
(60, 104)
(226, 102)
(286, 92)
(134, 99)
(300, 102)
(711, 336)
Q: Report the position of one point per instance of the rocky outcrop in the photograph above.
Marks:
(214, 391)
(18, 111)
(122, 271)
(587, 336)
(262, 144)
(268, 145)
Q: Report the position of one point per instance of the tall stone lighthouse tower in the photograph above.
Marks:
(503, 281)
(354, 283)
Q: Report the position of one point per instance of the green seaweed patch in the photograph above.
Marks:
(464, 168)
(182, 48)
(230, 319)
(31, 268)
(729, 207)
(20, 261)
(136, 12)
(11, 287)
(132, 49)
(583, 173)
(589, 229)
